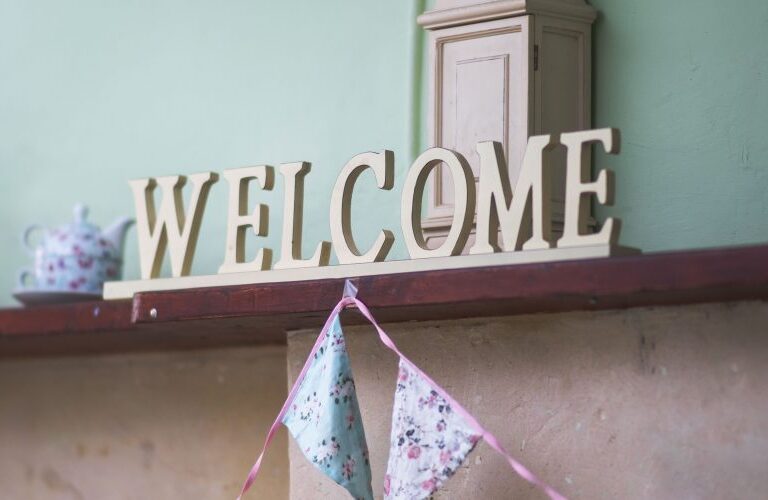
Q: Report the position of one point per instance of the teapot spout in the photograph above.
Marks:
(115, 233)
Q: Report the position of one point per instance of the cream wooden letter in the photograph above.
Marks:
(413, 195)
(293, 216)
(383, 166)
(169, 227)
(238, 219)
(577, 171)
(533, 183)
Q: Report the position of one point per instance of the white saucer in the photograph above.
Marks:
(32, 297)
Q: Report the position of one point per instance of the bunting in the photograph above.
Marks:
(431, 436)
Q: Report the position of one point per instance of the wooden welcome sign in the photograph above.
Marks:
(521, 215)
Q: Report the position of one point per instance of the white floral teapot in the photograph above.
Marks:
(76, 257)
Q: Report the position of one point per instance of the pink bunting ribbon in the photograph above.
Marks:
(519, 468)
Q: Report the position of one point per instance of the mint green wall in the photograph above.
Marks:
(93, 93)
(687, 84)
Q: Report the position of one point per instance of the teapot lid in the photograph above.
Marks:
(80, 212)
(79, 225)
(79, 237)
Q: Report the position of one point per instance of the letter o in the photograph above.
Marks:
(413, 196)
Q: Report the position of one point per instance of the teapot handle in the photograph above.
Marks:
(25, 237)
(23, 275)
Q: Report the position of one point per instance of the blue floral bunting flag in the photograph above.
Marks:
(324, 417)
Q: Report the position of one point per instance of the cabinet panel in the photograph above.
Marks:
(480, 77)
(478, 93)
(562, 91)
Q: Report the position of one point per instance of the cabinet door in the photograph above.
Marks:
(481, 91)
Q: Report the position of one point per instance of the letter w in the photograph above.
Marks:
(170, 226)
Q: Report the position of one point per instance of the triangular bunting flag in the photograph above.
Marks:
(324, 417)
(429, 439)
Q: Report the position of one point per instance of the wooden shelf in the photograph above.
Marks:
(261, 314)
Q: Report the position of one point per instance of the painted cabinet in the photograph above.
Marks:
(504, 71)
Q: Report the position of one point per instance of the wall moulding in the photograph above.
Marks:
(457, 12)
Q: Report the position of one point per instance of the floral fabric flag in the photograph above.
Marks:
(324, 417)
(429, 440)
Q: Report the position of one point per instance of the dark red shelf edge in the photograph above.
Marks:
(260, 314)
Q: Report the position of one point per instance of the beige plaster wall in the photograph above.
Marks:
(646, 403)
(183, 425)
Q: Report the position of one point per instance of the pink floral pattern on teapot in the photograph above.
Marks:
(76, 257)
